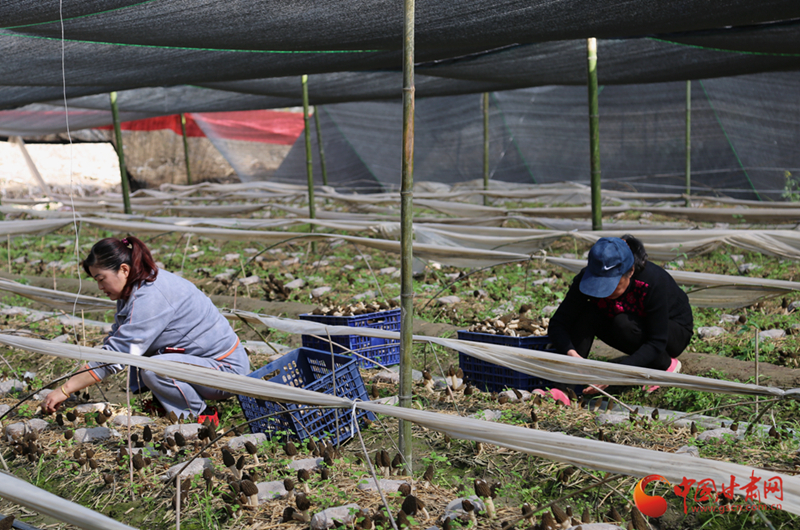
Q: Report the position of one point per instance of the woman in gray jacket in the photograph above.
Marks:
(158, 313)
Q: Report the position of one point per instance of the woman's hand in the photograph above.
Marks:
(591, 390)
(53, 400)
(573, 353)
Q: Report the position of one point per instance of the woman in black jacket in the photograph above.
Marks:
(627, 302)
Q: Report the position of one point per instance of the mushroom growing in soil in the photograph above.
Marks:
(397, 466)
(638, 520)
(208, 476)
(385, 463)
(138, 464)
(251, 490)
(303, 476)
(614, 515)
(560, 516)
(288, 515)
(364, 521)
(527, 513)
(252, 450)
(303, 504)
(428, 475)
(428, 380)
(485, 493)
(288, 485)
(468, 507)
(230, 463)
(548, 522)
(412, 505)
(402, 520)
(290, 449)
(404, 489)
(71, 416)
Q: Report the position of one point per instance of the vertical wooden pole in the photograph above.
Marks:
(312, 212)
(594, 133)
(688, 142)
(126, 192)
(322, 164)
(186, 148)
(758, 330)
(407, 231)
(485, 147)
(309, 164)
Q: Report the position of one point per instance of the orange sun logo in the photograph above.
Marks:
(652, 506)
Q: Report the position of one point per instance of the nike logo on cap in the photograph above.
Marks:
(609, 268)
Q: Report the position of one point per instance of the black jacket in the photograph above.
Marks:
(652, 294)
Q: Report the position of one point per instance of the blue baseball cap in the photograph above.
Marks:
(609, 259)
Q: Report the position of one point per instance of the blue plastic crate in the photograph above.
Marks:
(383, 351)
(311, 370)
(491, 377)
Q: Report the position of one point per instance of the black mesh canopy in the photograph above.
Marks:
(744, 134)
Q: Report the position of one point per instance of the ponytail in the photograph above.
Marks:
(111, 253)
(639, 253)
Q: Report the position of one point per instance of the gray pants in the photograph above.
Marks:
(181, 397)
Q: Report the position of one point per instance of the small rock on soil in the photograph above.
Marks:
(334, 516)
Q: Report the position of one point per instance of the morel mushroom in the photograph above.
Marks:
(303, 476)
(230, 463)
(290, 449)
(251, 490)
(138, 464)
(303, 504)
(288, 485)
(468, 507)
(483, 491)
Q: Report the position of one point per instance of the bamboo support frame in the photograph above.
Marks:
(309, 164)
(688, 143)
(594, 133)
(485, 147)
(312, 212)
(322, 164)
(407, 232)
(126, 192)
(186, 149)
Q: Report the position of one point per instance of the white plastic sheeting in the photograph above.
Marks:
(20, 492)
(552, 366)
(558, 447)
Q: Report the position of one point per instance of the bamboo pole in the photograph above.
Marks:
(322, 164)
(688, 142)
(407, 231)
(485, 147)
(126, 193)
(594, 133)
(185, 148)
(758, 330)
(312, 212)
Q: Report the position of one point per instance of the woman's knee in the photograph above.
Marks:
(151, 379)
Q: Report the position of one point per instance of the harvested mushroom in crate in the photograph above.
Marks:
(359, 308)
(512, 325)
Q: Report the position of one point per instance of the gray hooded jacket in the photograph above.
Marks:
(172, 312)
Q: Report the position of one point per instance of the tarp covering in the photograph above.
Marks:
(584, 452)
